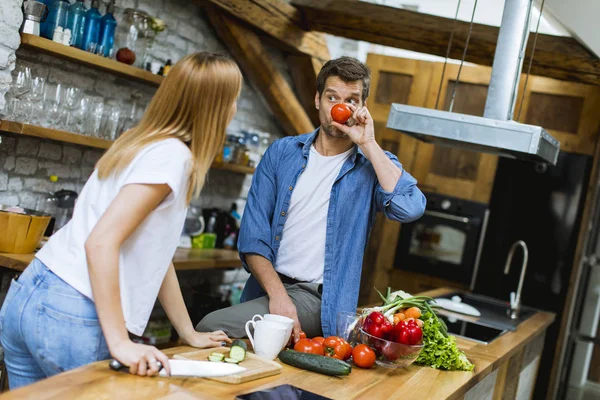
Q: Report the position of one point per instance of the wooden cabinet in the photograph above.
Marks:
(451, 171)
(565, 109)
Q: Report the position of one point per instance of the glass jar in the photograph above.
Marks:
(133, 33)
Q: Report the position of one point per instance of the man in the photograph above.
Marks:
(310, 211)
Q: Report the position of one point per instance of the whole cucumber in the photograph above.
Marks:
(315, 363)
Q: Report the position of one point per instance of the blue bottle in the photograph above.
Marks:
(76, 22)
(91, 31)
(46, 22)
(108, 24)
(57, 16)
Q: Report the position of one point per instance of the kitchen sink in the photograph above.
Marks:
(473, 330)
(494, 313)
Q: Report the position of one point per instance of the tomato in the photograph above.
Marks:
(319, 339)
(413, 312)
(341, 113)
(363, 356)
(309, 346)
(302, 335)
(336, 347)
(348, 349)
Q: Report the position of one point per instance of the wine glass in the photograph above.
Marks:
(34, 101)
(95, 114)
(53, 106)
(20, 86)
(72, 99)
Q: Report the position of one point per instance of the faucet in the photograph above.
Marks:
(515, 300)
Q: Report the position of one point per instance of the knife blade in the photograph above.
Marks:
(183, 368)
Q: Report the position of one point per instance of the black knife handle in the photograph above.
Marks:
(117, 366)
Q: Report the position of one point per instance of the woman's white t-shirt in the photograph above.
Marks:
(145, 257)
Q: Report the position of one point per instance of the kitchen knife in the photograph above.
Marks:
(200, 369)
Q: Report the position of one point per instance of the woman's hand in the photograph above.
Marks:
(141, 359)
(206, 339)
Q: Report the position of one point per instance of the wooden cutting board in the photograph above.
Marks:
(256, 367)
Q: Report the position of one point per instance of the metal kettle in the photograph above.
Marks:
(35, 12)
(65, 205)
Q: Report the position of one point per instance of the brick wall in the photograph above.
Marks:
(26, 163)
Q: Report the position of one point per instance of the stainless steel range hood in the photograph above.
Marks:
(495, 132)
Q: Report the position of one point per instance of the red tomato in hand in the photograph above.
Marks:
(309, 346)
(341, 113)
(302, 335)
(363, 356)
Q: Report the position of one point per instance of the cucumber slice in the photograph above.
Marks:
(215, 359)
(220, 356)
(232, 360)
(240, 343)
(237, 353)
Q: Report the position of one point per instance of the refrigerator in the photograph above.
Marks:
(542, 205)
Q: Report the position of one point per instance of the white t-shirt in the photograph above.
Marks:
(145, 257)
(301, 252)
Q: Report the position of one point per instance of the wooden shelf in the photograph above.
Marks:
(183, 260)
(83, 140)
(89, 59)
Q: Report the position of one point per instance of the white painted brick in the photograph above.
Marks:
(71, 155)
(11, 14)
(91, 157)
(190, 32)
(9, 199)
(26, 166)
(3, 180)
(50, 151)
(15, 184)
(10, 36)
(9, 164)
(152, 7)
(122, 4)
(183, 10)
(28, 200)
(86, 172)
(42, 185)
(8, 144)
(58, 169)
(70, 79)
(177, 41)
(28, 146)
(170, 20)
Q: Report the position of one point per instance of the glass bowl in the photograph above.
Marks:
(391, 354)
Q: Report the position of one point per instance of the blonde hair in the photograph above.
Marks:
(193, 104)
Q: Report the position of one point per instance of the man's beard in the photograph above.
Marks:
(332, 132)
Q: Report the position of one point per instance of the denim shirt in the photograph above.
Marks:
(356, 196)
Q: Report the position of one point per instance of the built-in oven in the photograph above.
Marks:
(446, 242)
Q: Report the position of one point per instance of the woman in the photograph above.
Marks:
(99, 276)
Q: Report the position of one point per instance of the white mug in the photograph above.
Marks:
(269, 338)
(288, 322)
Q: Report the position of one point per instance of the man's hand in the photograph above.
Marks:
(363, 131)
(284, 306)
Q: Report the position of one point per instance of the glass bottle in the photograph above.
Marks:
(57, 16)
(76, 22)
(108, 25)
(91, 31)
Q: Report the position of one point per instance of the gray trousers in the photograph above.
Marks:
(232, 320)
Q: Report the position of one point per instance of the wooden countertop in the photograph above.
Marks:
(184, 259)
(97, 381)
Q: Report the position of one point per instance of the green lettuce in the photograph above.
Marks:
(440, 351)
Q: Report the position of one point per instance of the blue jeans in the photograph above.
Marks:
(47, 327)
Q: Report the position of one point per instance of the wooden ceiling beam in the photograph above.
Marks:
(555, 56)
(278, 19)
(304, 71)
(255, 62)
